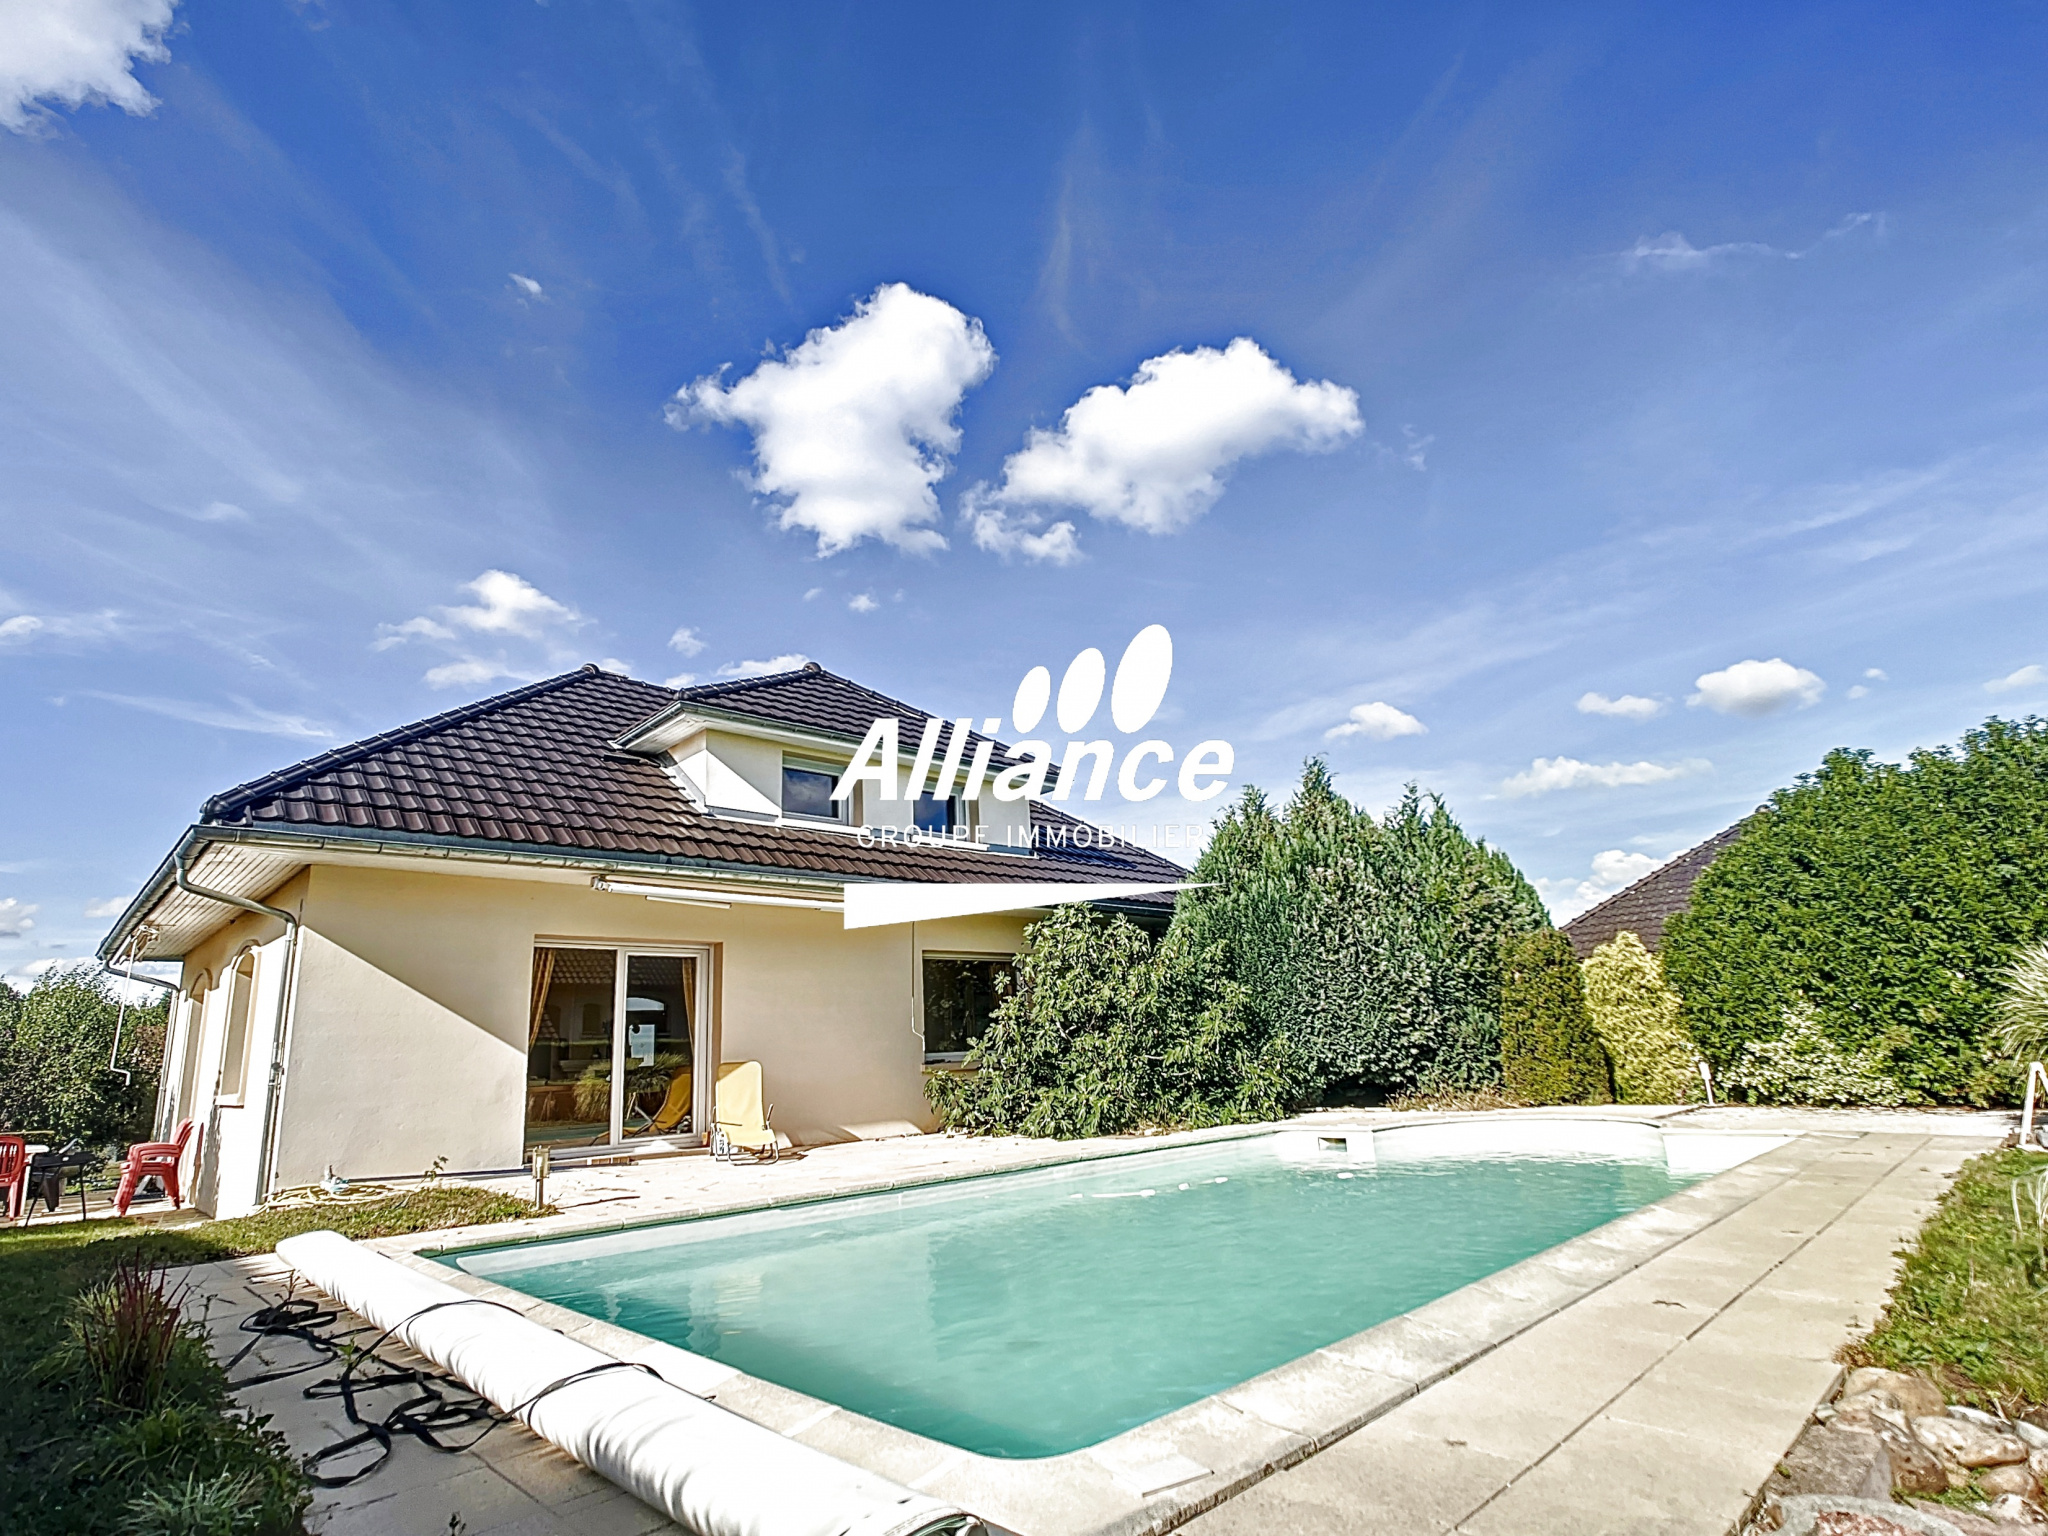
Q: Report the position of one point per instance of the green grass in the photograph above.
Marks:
(1971, 1304)
(190, 1463)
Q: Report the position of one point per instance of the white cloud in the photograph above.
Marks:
(814, 592)
(1877, 674)
(1382, 722)
(2025, 677)
(854, 427)
(1155, 456)
(527, 287)
(680, 680)
(1672, 252)
(786, 663)
(1858, 691)
(687, 641)
(113, 906)
(1756, 688)
(510, 610)
(22, 978)
(1629, 706)
(1613, 870)
(1015, 533)
(77, 51)
(16, 917)
(23, 628)
(243, 717)
(1548, 773)
(863, 602)
(509, 605)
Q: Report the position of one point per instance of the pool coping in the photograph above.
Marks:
(1165, 1472)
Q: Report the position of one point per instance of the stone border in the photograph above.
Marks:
(1163, 1473)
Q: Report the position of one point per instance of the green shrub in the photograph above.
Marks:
(1100, 1030)
(1636, 1017)
(226, 1505)
(1803, 1066)
(1888, 896)
(126, 1330)
(2023, 1008)
(1373, 947)
(55, 1042)
(1549, 1053)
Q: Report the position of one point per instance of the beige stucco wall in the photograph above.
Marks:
(409, 1036)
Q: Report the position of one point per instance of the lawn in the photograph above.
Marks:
(1971, 1304)
(117, 1419)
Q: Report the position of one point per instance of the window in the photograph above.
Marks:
(959, 999)
(937, 815)
(234, 1056)
(807, 791)
(610, 1042)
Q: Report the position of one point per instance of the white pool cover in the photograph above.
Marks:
(710, 1470)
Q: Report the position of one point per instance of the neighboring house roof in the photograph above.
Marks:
(1645, 907)
(534, 771)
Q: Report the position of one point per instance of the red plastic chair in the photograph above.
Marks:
(154, 1159)
(14, 1173)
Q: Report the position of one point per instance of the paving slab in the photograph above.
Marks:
(1657, 1405)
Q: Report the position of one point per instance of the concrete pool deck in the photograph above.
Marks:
(1648, 1381)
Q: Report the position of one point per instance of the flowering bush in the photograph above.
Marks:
(1803, 1066)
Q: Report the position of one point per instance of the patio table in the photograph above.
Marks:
(46, 1174)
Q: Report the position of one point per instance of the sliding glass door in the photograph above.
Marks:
(613, 1042)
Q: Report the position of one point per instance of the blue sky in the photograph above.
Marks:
(1585, 351)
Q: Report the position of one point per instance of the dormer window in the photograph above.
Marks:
(937, 815)
(807, 791)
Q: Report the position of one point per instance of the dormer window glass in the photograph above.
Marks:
(937, 815)
(807, 791)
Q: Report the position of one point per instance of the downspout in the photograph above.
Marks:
(121, 1018)
(273, 1087)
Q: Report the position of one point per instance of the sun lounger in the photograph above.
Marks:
(740, 1130)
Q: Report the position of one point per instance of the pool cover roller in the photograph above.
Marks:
(710, 1470)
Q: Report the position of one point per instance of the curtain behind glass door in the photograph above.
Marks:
(569, 1047)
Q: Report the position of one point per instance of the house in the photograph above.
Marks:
(1645, 907)
(438, 946)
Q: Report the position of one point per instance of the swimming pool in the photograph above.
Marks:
(1032, 1314)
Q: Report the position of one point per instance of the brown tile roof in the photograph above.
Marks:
(813, 699)
(535, 768)
(1646, 906)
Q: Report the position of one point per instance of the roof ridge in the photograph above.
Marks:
(217, 806)
(741, 684)
(813, 669)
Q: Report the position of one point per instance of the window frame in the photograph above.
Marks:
(797, 763)
(237, 1012)
(948, 1058)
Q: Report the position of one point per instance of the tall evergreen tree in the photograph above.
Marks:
(1372, 947)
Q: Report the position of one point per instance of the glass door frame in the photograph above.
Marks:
(702, 1083)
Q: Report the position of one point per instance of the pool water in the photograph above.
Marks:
(1029, 1314)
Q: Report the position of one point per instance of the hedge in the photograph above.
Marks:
(1887, 898)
